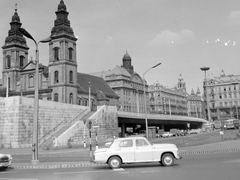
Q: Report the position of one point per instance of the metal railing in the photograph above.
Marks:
(60, 125)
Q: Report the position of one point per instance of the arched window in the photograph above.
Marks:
(21, 61)
(56, 97)
(56, 53)
(55, 76)
(8, 62)
(70, 51)
(71, 98)
(70, 77)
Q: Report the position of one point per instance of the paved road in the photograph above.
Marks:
(224, 166)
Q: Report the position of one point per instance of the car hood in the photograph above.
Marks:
(163, 146)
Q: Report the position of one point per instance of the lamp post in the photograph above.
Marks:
(145, 101)
(208, 109)
(36, 100)
(89, 99)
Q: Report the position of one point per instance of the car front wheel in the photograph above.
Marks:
(167, 159)
(114, 162)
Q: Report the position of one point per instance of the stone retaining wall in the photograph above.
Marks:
(16, 119)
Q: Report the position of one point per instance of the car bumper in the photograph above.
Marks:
(5, 164)
(178, 156)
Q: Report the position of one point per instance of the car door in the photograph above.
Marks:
(126, 150)
(143, 151)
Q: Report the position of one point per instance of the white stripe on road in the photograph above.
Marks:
(83, 172)
(88, 172)
(16, 179)
(119, 169)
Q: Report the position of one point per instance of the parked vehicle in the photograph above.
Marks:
(217, 124)
(229, 124)
(175, 132)
(167, 134)
(5, 161)
(136, 150)
(236, 123)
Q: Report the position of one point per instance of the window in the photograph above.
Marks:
(70, 77)
(79, 101)
(9, 82)
(21, 61)
(8, 62)
(56, 53)
(55, 76)
(31, 81)
(220, 96)
(225, 95)
(56, 97)
(213, 105)
(127, 143)
(70, 50)
(230, 95)
(71, 98)
(141, 142)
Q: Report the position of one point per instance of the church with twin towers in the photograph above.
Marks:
(59, 80)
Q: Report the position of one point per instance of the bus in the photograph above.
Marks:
(229, 124)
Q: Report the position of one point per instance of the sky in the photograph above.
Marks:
(183, 35)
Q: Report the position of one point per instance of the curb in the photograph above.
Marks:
(54, 166)
(182, 152)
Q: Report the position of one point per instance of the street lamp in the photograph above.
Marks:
(145, 101)
(89, 101)
(36, 100)
(208, 109)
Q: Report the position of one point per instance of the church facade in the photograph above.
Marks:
(58, 81)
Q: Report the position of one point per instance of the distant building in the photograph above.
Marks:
(224, 96)
(59, 81)
(164, 100)
(128, 85)
(195, 104)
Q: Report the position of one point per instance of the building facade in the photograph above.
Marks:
(223, 94)
(195, 104)
(128, 85)
(59, 81)
(172, 101)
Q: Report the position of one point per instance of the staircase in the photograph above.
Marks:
(47, 139)
(62, 139)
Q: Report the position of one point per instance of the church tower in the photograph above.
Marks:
(62, 59)
(15, 54)
(127, 64)
(181, 84)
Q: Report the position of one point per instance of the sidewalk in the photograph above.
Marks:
(219, 147)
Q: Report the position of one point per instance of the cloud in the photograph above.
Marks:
(169, 37)
(235, 17)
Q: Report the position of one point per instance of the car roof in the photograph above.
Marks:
(132, 138)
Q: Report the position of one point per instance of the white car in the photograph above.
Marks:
(5, 160)
(136, 150)
(167, 134)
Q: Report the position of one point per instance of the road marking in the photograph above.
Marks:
(147, 171)
(119, 169)
(16, 179)
(83, 172)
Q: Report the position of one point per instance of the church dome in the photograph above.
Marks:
(126, 56)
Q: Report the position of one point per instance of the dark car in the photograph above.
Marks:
(5, 161)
